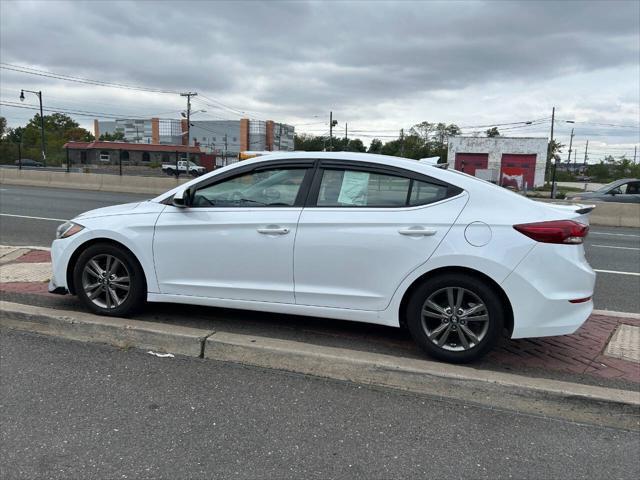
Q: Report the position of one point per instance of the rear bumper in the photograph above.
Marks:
(541, 287)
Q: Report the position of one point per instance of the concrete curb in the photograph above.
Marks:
(120, 332)
(613, 313)
(421, 376)
(497, 389)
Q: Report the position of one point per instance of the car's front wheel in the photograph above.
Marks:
(455, 318)
(109, 280)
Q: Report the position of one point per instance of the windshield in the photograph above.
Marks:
(607, 187)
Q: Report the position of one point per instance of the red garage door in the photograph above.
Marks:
(470, 162)
(518, 170)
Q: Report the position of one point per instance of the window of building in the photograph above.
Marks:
(104, 156)
(146, 157)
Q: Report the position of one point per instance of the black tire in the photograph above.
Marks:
(169, 172)
(84, 276)
(422, 322)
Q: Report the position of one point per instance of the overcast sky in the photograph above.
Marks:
(379, 66)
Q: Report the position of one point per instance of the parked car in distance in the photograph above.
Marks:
(625, 190)
(27, 162)
(367, 238)
(194, 169)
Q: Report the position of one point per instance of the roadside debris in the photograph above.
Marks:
(161, 355)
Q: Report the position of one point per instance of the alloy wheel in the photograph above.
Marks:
(455, 319)
(106, 281)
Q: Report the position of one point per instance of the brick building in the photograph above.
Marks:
(518, 162)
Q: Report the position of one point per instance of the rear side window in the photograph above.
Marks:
(424, 192)
(355, 188)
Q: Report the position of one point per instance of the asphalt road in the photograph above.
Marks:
(30, 215)
(74, 410)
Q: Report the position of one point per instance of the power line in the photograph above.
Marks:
(601, 124)
(83, 113)
(88, 81)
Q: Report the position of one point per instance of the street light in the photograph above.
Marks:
(39, 95)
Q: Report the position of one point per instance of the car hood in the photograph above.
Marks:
(125, 208)
(583, 195)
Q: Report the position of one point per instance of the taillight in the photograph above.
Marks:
(555, 231)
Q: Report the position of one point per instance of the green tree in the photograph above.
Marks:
(112, 137)
(493, 132)
(3, 126)
(58, 128)
(309, 143)
(375, 146)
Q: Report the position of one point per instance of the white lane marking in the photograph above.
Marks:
(615, 234)
(34, 218)
(635, 274)
(611, 246)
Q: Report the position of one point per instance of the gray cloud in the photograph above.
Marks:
(295, 59)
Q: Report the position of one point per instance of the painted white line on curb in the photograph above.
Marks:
(620, 248)
(634, 274)
(29, 247)
(33, 218)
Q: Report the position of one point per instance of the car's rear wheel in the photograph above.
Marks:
(455, 318)
(109, 280)
(170, 172)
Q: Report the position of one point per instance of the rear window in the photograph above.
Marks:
(356, 188)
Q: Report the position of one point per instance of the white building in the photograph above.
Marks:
(518, 162)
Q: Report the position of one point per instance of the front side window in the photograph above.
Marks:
(352, 188)
(632, 188)
(264, 188)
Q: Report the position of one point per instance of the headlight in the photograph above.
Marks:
(68, 229)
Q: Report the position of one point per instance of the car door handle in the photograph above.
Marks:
(273, 231)
(418, 231)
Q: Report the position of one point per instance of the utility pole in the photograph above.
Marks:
(346, 138)
(570, 145)
(279, 136)
(635, 149)
(224, 160)
(332, 123)
(188, 95)
(550, 154)
(402, 142)
(586, 148)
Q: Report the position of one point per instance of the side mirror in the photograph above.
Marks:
(181, 198)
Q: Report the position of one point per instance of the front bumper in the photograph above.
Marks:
(53, 288)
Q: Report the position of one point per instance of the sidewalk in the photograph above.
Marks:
(604, 351)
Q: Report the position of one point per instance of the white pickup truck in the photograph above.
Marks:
(194, 170)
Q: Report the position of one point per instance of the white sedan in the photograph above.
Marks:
(359, 237)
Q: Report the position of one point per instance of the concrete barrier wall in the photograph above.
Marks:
(610, 214)
(606, 213)
(90, 181)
